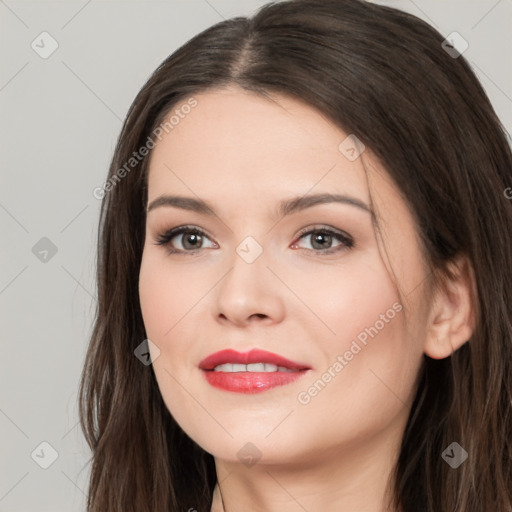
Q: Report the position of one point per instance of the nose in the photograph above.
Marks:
(250, 292)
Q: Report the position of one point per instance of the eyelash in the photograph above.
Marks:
(346, 241)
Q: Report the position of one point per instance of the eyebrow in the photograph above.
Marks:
(286, 207)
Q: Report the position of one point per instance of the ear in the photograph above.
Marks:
(452, 315)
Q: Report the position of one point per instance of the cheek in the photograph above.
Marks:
(156, 301)
(166, 294)
(346, 298)
(165, 300)
(369, 362)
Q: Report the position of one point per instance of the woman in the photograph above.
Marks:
(304, 275)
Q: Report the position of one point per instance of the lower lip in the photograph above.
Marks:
(251, 382)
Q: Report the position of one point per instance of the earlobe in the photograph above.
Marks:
(452, 315)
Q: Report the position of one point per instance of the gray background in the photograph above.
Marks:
(61, 118)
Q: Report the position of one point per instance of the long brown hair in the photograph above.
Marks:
(383, 75)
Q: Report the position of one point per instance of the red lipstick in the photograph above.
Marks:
(279, 370)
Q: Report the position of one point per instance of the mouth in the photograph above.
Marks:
(250, 372)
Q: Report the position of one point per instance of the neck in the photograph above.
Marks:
(348, 479)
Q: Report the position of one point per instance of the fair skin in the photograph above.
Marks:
(243, 154)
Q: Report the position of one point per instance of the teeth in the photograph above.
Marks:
(253, 367)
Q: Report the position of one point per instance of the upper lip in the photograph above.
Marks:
(253, 356)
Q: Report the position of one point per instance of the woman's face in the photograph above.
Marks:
(259, 277)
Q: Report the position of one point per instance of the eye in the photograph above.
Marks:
(322, 239)
(191, 239)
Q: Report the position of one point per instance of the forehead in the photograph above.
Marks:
(235, 142)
